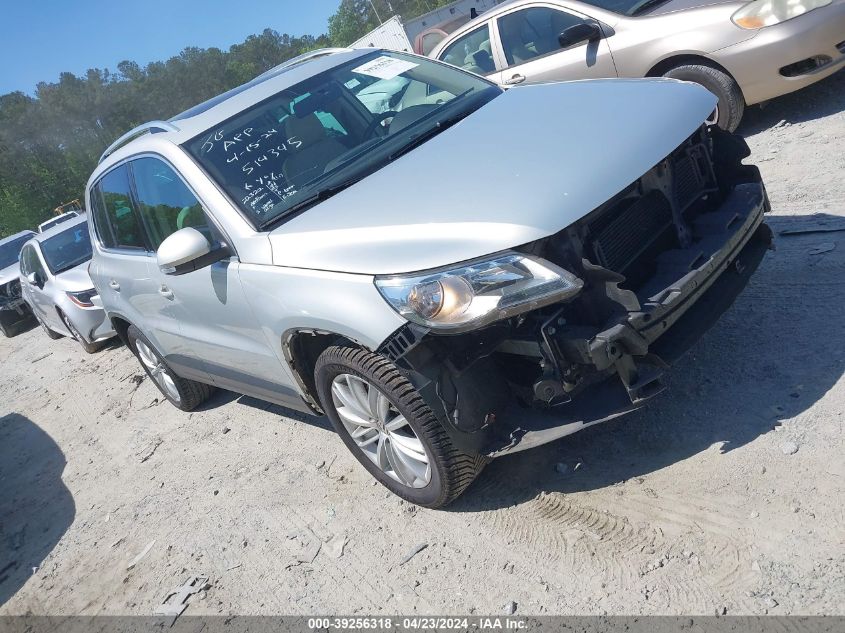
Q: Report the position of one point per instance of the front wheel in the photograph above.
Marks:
(182, 393)
(53, 335)
(77, 335)
(390, 429)
(731, 104)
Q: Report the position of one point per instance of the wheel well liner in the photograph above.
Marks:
(121, 326)
(690, 59)
(301, 349)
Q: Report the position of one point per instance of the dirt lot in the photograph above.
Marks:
(725, 494)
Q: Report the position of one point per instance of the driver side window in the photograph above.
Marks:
(165, 203)
(533, 32)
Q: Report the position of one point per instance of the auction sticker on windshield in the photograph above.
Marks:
(384, 67)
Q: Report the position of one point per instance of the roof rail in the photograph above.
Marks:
(146, 128)
(304, 57)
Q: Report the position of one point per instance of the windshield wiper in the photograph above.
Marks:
(310, 201)
(418, 139)
(645, 5)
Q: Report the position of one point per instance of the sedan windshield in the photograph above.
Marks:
(309, 141)
(11, 251)
(67, 249)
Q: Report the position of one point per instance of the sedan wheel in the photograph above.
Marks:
(77, 335)
(380, 431)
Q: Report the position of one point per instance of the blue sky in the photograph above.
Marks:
(41, 38)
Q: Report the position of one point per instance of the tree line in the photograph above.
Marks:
(50, 141)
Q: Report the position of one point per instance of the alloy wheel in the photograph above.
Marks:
(157, 370)
(381, 431)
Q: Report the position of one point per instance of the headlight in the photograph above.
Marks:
(478, 293)
(760, 13)
(82, 298)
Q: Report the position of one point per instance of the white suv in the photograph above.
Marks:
(450, 273)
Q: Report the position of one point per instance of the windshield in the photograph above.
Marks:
(333, 128)
(67, 249)
(626, 7)
(49, 224)
(10, 251)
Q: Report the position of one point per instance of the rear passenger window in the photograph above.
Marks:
(471, 52)
(114, 216)
(164, 201)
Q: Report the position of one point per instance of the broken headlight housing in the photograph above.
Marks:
(478, 293)
(760, 13)
(83, 298)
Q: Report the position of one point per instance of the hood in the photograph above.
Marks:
(524, 166)
(75, 279)
(10, 273)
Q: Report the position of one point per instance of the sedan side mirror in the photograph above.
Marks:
(188, 250)
(577, 33)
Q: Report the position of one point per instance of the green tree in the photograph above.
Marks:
(50, 143)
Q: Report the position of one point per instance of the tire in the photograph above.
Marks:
(731, 104)
(448, 472)
(50, 333)
(187, 394)
(77, 335)
(8, 330)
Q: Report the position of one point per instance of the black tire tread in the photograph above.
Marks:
(191, 392)
(461, 469)
(731, 96)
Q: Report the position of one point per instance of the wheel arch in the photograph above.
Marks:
(121, 325)
(688, 59)
(302, 347)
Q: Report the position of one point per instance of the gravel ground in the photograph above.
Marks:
(724, 495)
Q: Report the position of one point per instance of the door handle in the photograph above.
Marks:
(516, 79)
(114, 285)
(165, 292)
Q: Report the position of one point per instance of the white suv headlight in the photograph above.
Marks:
(478, 293)
(760, 13)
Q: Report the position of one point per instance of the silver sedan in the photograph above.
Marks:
(56, 285)
(743, 52)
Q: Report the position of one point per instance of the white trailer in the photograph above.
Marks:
(394, 35)
(390, 34)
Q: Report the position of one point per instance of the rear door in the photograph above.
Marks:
(217, 326)
(121, 269)
(529, 51)
(472, 51)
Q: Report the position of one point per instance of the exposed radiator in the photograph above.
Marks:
(622, 236)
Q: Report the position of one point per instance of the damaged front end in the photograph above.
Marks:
(659, 262)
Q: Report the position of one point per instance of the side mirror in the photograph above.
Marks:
(32, 279)
(577, 33)
(188, 250)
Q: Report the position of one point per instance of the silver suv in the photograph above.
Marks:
(449, 272)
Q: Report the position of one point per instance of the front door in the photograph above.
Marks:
(216, 324)
(34, 293)
(530, 50)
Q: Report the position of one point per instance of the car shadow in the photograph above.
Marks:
(223, 397)
(770, 357)
(36, 508)
(822, 99)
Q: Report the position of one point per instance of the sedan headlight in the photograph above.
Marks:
(478, 293)
(82, 298)
(760, 13)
